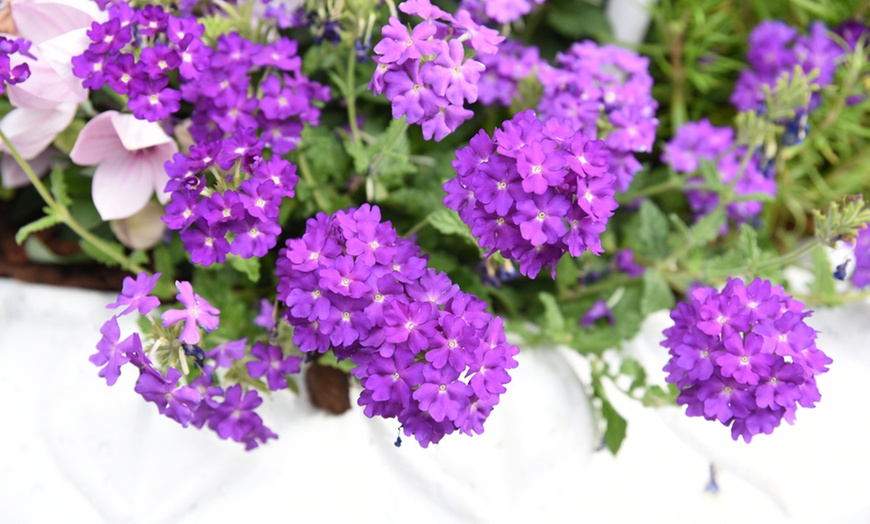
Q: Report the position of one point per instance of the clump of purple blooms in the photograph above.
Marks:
(695, 142)
(227, 411)
(499, 82)
(10, 74)
(776, 48)
(424, 71)
(605, 92)
(534, 191)
(861, 275)
(427, 353)
(500, 11)
(743, 356)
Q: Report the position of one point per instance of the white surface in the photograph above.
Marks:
(74, 447)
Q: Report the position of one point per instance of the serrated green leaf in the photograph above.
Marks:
(657, 293)
(553, 321)
(249, 267)
(707, 227)
(58, 186)
(326, 156)
(616, 427)
(37, 225)
(448, 222)
(649, 232)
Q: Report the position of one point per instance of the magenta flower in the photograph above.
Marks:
(135, 294)
(198, 312)
(112, 354)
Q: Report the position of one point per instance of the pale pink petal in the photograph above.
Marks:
(138, 134)
(45, 88)
(41, 20)
(122, 185)
(31, 131)
(13, 176)
(159, 155)
(143, 230)
(59, 52)
(97, 141)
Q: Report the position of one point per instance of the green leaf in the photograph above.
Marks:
(657, 293)
(325, 155)
(329, 359)
(632, 368)
(249, 267)
(553, 322)
(448, 222)
(712, 178)
(707, 227)
(656, 396)
(616, 427)
(37, 225)
(648, 232)
(58, 186)
(578, 19)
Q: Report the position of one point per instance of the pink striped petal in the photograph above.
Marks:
(59, 52)
(123, 184)
(31, 131)
(41, 20)
(97, 140)
(45, 88)
(138, 134)
(13, 176)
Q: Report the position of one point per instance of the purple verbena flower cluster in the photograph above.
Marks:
(605, 92)
(534, 191)
(861, 275)
(229, 412)
(10, 74)
(695, 142)
(776, 48)
(427, 353)
(241, 215)
(233, 124)
(743, 356)
(501, 11)
(423, 70)
(166, 44)
(499, 82)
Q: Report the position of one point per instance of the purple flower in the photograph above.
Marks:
(197, 312)
(272, 363)
(177, 403)
(350, 284)
(225, 354)
(861, 275)
(111, 354)
(534, 191)
(234, 418)
(743, 356)
(598, 310)
(135, 294)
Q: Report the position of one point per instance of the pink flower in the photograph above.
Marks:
(129, 155)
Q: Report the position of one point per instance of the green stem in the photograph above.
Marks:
(350, 96)
(372, 171)
(417, 227)
(661, 187)
(305, 169)
(63, 214)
